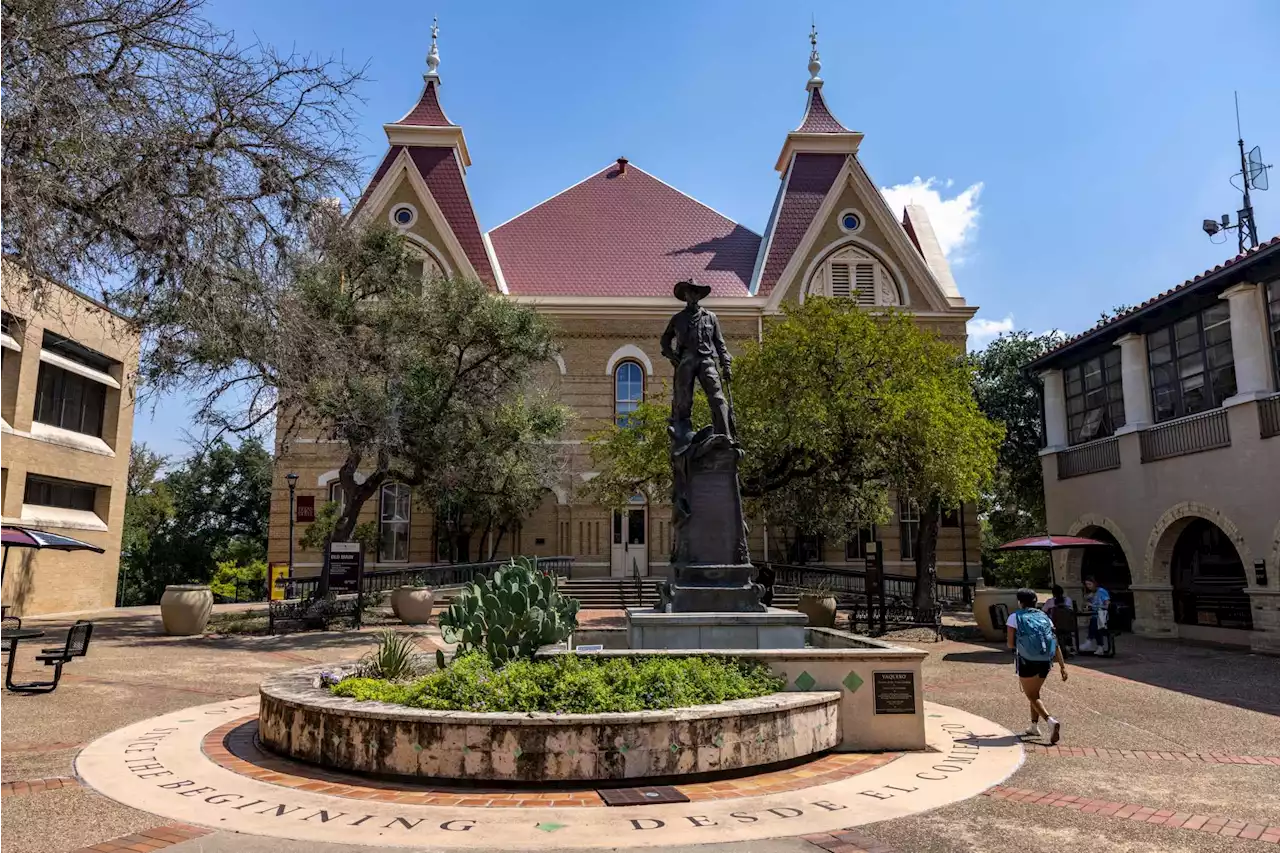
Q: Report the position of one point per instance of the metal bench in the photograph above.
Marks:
(76, 646)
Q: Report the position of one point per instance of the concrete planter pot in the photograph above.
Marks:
(987, 612)
(185, 609)
(412, 604)
(821, 610)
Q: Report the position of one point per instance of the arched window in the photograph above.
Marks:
(337, 494)
(852, 273)
(628, 391)
(423, 267)
(393, 523)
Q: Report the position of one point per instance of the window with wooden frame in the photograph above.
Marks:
(395, 510)
(1191, 364)
(337, 494)
(852, 273)
(1273, 324)
(1095, 397)
(908, 526)
(855, 547)
(628, 391)
(423, 267)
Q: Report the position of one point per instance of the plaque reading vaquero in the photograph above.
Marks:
(895, 692)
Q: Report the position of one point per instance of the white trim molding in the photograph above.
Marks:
(69, 438)
(559, 359)
(73, 366)
(857, 214)
(628, 352)
(53, 516)
(331, 476)
(7, 341)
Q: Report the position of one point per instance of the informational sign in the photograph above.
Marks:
(895, 692)
(346, 567)
(279, 578)
(304, 508)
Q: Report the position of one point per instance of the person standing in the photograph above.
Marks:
(1031, 636)
(1099, 601)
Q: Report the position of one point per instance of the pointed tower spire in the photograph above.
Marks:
(433, 55)
(815, 64)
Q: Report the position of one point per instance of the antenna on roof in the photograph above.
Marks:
(1253, 176)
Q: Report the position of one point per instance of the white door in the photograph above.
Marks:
(630, 553)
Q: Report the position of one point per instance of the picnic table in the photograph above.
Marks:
(10, 638)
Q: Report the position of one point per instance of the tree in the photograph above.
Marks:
(349, 344)
(212, 508)
(149, 156)
(1013, 506)
(834, 407)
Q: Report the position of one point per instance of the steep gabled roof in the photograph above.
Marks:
(622, 232)
(427, 112)
(442, 174)
(806, 185)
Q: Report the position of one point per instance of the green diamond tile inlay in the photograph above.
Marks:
(417, 747)
(624, 748)
(852, 682)
(550, 827)
(805, 681)
(675, 747)
(719, 740)
(466, 750)
(518, 752)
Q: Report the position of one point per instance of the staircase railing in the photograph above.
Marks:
(849, 584)
(430, 574)
(635, 574)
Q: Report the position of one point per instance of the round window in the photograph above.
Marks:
(404, 215)
(850, 221)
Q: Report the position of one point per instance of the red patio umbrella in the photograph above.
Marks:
(1051, 542)
(12, 536)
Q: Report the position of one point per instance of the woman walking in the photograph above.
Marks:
(1035, 646)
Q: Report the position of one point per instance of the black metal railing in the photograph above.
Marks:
(1100, 455)
(849, 585)
(433, 575)
(1192, 434)
(639, 584)
(1269, 416)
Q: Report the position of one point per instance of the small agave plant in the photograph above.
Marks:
(509, 615)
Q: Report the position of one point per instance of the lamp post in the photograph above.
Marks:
(293, 485)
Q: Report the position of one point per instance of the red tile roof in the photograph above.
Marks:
(623, 232)
(442, 173)
(390, 158)
(427, 112)
(808, 182)
(817, 118)
(1111, 321)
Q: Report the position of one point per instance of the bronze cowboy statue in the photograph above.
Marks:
(694, 345)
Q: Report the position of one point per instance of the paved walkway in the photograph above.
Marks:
(1165, 747)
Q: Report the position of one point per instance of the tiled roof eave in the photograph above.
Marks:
(1208, 278)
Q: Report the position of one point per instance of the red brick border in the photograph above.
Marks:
(1151, 755)
(156, 838)
(1212, 824)
(30, 786)
(847, 841)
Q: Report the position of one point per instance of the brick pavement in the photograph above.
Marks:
(156, 838)
(847, 841)
(31, 786)
(1149, 755)
(1210, 824)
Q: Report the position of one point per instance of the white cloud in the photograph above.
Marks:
(955, 219)
(981, 330)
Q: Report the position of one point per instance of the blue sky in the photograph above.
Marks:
(1069, 151)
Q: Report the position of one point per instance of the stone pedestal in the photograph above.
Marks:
(772, 629)
(711, 567)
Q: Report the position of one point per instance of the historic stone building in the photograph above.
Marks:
(1162, 428)
(600, 259)
(68, 369)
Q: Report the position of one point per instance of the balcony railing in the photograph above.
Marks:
(1100, 455)
(1191, 434)
(1269, 416)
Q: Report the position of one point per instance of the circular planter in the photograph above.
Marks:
(306, 722)
(412, 604)
(185, 609)
(821, 610)
(985, 613)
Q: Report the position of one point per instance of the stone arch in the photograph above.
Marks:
(427, 248)
(561, 493)
(845, 241)
(1165, 534)
(559, 359)
(628, 352)
(1273, 572)
(332, 477)
(1073, 561)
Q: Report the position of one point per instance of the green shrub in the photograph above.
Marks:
(509, 615)
(393, 659)
(572, 684)
(251, 577)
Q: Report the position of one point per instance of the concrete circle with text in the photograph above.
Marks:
(158, 766)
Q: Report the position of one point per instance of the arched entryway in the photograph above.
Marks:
(1109, 567)
(1208, 577)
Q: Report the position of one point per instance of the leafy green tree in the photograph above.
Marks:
(1013, 506)
(148, 508)
(834, 407)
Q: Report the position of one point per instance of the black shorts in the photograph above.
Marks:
(1033, 668)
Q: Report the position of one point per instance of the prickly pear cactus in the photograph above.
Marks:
(510, 614)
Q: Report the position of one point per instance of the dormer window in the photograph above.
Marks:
(852, 273)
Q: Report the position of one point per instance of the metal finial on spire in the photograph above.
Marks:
(433, 55)
(815, 64)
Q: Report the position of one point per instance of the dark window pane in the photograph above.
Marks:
(1164, 401)
(59, 493)
(1224, 383)
(1188, 328)
(1158, 338)
(69, 401)
(1219, 312)
(1219, 334)
(1160, 355)
(1219, 356)
(1190, 366)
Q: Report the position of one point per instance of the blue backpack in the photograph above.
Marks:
(1034, 636)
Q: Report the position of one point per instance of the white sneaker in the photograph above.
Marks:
(1032, 731)
(1055, 730)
